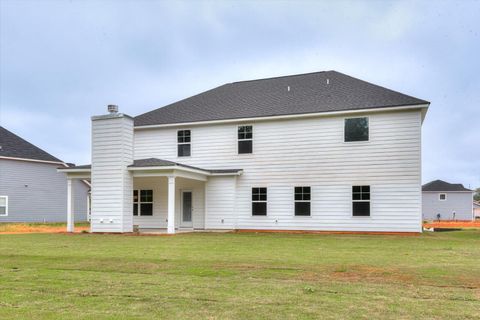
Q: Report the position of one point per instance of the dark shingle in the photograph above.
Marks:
(309, 93)
(154, 162)
(13, 146)
(439, 185)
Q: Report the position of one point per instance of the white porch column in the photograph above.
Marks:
(171, 205)
(70, 217)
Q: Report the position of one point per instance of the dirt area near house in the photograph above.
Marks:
(19, 228)
(453, 224)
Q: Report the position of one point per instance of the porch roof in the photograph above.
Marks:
(156, 164)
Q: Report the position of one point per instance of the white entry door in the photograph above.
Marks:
(187, 209)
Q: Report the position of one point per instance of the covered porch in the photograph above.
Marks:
(165, 196)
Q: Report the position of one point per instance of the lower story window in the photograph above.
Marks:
(259, 201)
(361, 201)
(142, 202)
(302, 201)
(3, 205)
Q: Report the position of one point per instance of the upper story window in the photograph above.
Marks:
(442, 196)
(143, 202)
(356, 129)
(183, 140)
(245, 139)
(361, 201)
(259, 201)
(3, 205)
(302, 201)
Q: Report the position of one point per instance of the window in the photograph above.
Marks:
(245, 139)
(3, 205)
(361, 201)
(356, 129)
(302, 201)
(183, 139)
(142, 202)
(259, 201)
(442, 196)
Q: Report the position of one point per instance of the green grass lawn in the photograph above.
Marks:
(240, 276)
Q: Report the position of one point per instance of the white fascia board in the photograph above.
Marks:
(169, 168)
(73, 170)
(185, 169)
(34, 160)
(237, 173)
(424, 107)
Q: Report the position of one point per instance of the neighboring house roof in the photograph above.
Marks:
(154, 162)
(439, 185)
(476, 204)
(13, 146)
(317, 92)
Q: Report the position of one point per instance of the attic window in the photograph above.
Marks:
(442, 196)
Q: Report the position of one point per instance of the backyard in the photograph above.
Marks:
(240, 276)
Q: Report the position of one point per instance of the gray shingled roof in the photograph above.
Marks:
(13, 146)
(309, 93)
(154, 162)
(439, 185)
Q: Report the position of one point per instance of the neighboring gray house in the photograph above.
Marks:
(31, 188)
(446, 201)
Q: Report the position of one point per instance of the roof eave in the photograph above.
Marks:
(421, 106)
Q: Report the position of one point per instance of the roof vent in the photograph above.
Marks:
(328, 81)
(288, 88)
(112, 108)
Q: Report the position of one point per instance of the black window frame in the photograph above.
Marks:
(245, 139)
(259, 201)
(361, 201)
(142, 198)
(346, 135)
(303, 201)
(184, 143)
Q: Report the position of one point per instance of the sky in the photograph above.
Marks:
(64, 61)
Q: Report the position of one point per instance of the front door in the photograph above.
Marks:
(187, 209)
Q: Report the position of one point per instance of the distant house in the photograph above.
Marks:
(476, 209)
(31, 188)
(446, 201)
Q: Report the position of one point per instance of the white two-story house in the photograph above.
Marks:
(320, 151)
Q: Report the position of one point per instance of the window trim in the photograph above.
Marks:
(6, 206)
(139, 202)
(357, 142)
(440, 196)
(295, 201)
(184, 143)
(238, 140)
(352, 201)
(261, 201)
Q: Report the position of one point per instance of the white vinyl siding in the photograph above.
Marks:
(112, 152)
(311, 152)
